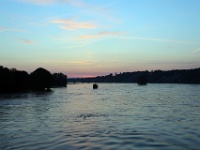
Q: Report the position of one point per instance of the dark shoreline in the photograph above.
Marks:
(184, 76)
(13, 80)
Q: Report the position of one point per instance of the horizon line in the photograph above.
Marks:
(91, 76)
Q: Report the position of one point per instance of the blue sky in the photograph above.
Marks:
(97, 37)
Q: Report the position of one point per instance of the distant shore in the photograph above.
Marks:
(189, 76)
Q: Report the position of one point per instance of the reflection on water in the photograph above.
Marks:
(116, 116)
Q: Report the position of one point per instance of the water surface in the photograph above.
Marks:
(115, 116)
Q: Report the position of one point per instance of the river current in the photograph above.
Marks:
(115, 116)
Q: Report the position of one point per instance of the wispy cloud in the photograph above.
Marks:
(71, 24)
(26, 41)
(78, 3)
(100, 34)
(196, 50)
(156, 39)
(2, 29)
(39, 2)
(103, 10)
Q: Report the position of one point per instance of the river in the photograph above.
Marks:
(115, 116)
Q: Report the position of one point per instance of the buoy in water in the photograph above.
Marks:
(95, 86)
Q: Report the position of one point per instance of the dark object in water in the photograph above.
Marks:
(142, 80)
(95, 86)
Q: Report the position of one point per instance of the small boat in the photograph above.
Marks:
(95, 86)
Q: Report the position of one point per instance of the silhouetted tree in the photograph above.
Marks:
(59, 79)
(21, 80)
(41, 79)
(142, 80)
(6, 79)
(13, 80)
(157, 76)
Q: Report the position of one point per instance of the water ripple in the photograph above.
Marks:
(116, 116)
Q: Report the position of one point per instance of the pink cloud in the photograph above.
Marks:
(39, 2)
(2, 29)
(70, 24)
(102, 10)
(26, 41)
(77, 3)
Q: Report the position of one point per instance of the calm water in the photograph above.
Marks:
(116, 116)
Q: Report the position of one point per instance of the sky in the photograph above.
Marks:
(86, 38)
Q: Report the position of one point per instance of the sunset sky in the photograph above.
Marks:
(97, 37)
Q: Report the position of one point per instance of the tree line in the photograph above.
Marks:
(13, 80)
(191, 76)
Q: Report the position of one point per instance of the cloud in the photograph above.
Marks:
(77, 3)
(2, 29)
(157, 39)
(39, 2)
(196, 50)
(26, 41)
(102, 10)
(71, 24)
(100, 34)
